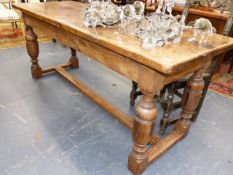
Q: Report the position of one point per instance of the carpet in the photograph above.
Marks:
(10, 38)
(223, 85)
(8, 34)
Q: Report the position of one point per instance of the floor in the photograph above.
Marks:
(49, 128)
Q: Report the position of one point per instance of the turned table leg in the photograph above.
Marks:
(74, 62)
(143, 125)
(190, 101)
(33, 51)
(149, 83)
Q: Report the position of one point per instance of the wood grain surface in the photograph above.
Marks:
(168, 59)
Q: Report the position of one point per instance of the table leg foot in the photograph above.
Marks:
(190, 101)
(74, 62)
(137, 164)
(36, 72)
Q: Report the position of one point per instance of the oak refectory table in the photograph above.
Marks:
(151, 69)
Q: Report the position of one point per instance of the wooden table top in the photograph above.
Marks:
(69, 15)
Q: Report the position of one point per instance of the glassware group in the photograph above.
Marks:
(154, 30)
